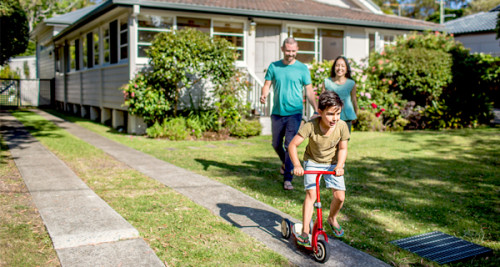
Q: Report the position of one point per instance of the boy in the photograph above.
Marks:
(327, 151)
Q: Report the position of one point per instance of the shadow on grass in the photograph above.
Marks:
(17, 134)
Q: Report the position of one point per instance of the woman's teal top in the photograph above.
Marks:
(344, 91)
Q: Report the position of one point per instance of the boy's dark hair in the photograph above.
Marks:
(329, 99)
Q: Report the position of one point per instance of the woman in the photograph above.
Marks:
(341, 82)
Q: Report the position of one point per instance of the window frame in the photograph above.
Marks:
(120, 33)
(138, 44)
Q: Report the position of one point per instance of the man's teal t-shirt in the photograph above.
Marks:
(288, 83)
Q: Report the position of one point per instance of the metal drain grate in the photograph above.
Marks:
(440, 247)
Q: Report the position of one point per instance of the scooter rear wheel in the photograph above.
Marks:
(286, 228)
(323, 253)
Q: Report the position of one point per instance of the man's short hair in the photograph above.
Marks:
(329, 99)
(290, 41)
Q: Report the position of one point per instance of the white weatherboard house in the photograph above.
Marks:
(93, 51)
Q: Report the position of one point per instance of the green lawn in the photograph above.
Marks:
(398, 184)
(179, 231)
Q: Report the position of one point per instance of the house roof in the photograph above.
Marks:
(71, 17)
(305, 10)
(296, 10)
(479, 22)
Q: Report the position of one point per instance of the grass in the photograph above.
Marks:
(23, 238)
(178, 230)
(398, 184)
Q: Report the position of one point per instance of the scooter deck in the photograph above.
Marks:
(296, 231)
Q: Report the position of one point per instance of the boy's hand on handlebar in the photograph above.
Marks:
(339, 171)
(298, 171)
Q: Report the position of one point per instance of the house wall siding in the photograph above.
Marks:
(91, 87)
(59, 90)
(356, 45)
(73, 88)
(113, 79)
(46, 56)
(481, 43)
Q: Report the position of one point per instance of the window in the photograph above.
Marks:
(123, 39)
(389, 39)
(59, 56)
(149, 26)
(106, 45)
(96, 47)
(72, 55)
(199, 24)
(84, 52)
(371, 42)
(233, 32)
(90, 58)
(306, 39)
(77, 54)
(332, 44)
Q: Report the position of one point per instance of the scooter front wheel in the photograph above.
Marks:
(286, 228)
(323, 253)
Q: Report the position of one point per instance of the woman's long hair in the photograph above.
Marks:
(348, 71)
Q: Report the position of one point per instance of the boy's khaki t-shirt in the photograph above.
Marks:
(322, 149)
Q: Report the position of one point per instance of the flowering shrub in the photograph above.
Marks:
(319, 72)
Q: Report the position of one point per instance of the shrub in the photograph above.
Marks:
(230, 101)
(173, 129)
(246, 128)
(177, 61)
(367, 121)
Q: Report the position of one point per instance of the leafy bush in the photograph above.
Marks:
(246, 128)
(230, 100)
(319, 72)
(446, 85)
(367, 121)
(177, 61)
(173, 129)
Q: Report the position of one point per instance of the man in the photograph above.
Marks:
(288, 77)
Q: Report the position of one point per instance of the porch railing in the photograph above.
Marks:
(254, 95)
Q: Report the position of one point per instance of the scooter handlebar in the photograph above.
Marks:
(318, 172)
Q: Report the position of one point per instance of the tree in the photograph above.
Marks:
(419, 9)
(39, 10)
(435, 17)
(476, 6)
(14, 34)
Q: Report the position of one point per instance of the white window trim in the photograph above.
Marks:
(316, 39)
(120, 31)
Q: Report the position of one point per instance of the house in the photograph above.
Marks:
(477, 31)
(93, 51)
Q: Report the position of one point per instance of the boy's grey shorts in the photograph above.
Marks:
(331, 181)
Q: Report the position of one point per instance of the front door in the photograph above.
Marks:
(267, 50)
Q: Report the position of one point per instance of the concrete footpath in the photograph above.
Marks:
(82, 226)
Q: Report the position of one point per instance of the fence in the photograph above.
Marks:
(26, 92)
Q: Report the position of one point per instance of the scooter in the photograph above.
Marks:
(319, 247)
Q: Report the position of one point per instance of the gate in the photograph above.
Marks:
(26, 92)
(9, 93)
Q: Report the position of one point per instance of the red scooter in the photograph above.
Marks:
(319, 247)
